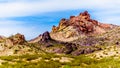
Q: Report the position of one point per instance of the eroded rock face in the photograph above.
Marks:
(17, 39)
(83, 22)
(75, 36)
(42, 38)
(78, 25)
(46, 37)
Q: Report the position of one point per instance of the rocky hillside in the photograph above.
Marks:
(15, 45)
(77, 35)
(78, 26)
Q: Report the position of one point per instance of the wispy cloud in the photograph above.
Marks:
(24, 7)
(107, 11)
(8, 28)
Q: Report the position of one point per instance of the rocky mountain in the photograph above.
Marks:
(78, 26)
(13, 40)
(77, 35)
(14, 45)
(17, 39)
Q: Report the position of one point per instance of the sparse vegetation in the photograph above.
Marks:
(82, 61)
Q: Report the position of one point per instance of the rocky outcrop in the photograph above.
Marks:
(70, 48)
(78, 25)
(83, 22)
(46, 37)
(17, 39)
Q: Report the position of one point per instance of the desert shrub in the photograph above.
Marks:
(81, 61)
(8, 58)
(40, 64)
(29, 57)
(66, 66)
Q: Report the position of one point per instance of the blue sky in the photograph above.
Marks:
(33, 17)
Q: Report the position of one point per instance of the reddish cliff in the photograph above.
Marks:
(78, 25)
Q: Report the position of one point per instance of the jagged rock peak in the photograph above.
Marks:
(81, 25)
(45, 37)
(82, 22)
(85, 13)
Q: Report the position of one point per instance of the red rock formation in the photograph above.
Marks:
(72, 17)
(54, 28)
(83, 22)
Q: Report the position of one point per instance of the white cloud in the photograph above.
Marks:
(23, 8)
(19, 8)
(8, 28)
(106, 10)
